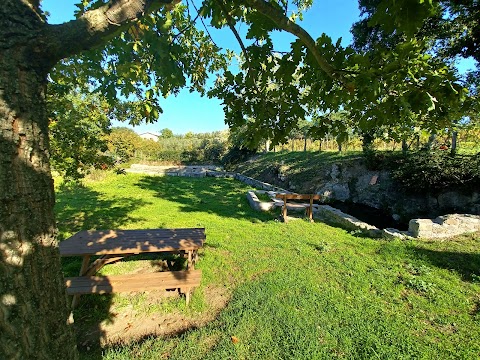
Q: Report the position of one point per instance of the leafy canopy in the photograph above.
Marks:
(397, 85)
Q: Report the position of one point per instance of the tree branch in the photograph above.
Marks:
(95, 27)
(204, 26)
(278, 17)
(231, 25)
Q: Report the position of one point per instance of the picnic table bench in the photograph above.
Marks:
(114, 245)
(308, 208)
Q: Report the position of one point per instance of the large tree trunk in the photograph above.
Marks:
(33, 306)
(33, 302)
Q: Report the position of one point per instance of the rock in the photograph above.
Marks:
(335, 172)
(258, 205)
(444, 226)
(396, 217)
(394, 233)
(340, 192)
(348, 222)
(420, 227)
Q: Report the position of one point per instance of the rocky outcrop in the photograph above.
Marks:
(353, 182)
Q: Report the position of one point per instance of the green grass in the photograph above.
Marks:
(264, 197)
(298, 290)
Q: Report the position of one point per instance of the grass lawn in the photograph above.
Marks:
(294, 291)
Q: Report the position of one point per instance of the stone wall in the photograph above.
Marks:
(345, 221)
(353, 182)
(362, 186)
(258, 205)
(444, 226)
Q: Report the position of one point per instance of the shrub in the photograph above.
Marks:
(437, 170)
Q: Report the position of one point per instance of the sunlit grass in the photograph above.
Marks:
(298, 290)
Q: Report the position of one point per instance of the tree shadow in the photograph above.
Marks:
(77, 208)
(222, 197)
(467, 265)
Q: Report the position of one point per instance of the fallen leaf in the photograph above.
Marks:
(235, 340)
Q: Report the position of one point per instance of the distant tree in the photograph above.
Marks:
(122, 143)
(336, 124)
(166, 133)
(304, 127)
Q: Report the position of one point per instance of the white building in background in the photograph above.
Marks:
(149, 136)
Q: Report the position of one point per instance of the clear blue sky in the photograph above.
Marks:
(191, 112)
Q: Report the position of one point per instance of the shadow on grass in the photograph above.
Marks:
(79, 208)
(89, 314)
(467, 265)
(222, 197)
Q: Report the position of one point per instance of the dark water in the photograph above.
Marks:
(370, 215)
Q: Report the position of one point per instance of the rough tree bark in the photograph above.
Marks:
(33, 309)
(33, 303)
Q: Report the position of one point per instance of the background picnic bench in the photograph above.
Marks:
(308, 207)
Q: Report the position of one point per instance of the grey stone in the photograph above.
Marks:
(258, 205)
(335, 172)
(396, 217)
(340, 192)
(394, 233)
(419, 226)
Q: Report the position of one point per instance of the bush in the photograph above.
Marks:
(437, 170)
(169, 156)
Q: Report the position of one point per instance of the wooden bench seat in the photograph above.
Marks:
(308, 207)
(183, 280)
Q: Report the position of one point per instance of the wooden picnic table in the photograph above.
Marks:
(113, 245)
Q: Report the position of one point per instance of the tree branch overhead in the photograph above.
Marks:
(95, 27)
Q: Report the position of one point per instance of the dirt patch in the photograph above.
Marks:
(126, 325)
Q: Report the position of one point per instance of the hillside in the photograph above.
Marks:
(296, 171)
(437, 184)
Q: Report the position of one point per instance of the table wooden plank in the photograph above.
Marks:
(107, 242)
(298, 196)
(132, 282)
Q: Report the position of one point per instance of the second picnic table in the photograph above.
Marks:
(113, 245)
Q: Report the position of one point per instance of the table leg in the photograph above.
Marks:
(187, 291)
(83, 270)
(101, 262)
(284, 210)
(190, 261)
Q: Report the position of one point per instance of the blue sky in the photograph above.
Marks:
(191, 112)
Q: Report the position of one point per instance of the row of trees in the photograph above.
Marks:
(83, 142)
(82, 138)
(125, 145)
(139, 50)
